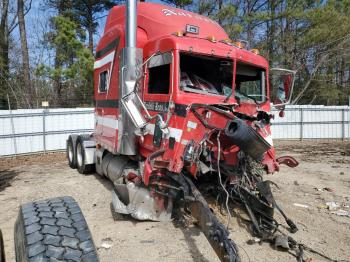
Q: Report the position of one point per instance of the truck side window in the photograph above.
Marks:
(250, 82)
(159, 79)
(102, 86)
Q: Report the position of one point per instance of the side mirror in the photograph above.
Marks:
(281, 86)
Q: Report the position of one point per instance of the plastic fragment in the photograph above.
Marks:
(300, 205)
(342, 213)
(106, 243)
(253, 241)
(328, 189)
(332, 205)
(281, 241)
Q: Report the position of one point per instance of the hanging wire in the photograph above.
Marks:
(220, 180)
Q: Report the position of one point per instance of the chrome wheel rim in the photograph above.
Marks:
(70, 153)
(79, 155)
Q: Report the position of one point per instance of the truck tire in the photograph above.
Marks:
(81, 166)
(2, 248)
(71, 153)
(53, 230)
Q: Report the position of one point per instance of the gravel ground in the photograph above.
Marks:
(322, 165)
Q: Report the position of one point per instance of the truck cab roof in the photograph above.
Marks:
(160, 20)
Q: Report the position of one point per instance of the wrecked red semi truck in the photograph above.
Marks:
(176, 103)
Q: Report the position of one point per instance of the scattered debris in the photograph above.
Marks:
(281, 241)
(300, 205)
(332, 205)
(328, 189)
(342, 213)
(253, 241)
(324, 189)
(147, 241)
(322, 206)
(106, 243)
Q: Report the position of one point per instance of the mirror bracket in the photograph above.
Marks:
(282, 71)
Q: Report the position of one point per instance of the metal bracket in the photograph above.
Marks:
(287, 160)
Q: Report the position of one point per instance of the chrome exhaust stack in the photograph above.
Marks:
(131, 23)
(130, 71)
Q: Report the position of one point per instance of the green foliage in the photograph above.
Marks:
(73, 63)
(310, 36)
(179, 3)
(85, 11)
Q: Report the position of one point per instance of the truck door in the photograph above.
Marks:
(158, 91)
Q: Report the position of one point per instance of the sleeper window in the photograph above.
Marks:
(102, 87)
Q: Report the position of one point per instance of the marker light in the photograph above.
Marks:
(254, 51)
(179, 33)
(238, 44)
(211, 38)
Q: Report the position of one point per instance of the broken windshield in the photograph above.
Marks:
(250, 83)
(206, 75)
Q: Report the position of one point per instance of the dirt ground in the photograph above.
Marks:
(322, 165)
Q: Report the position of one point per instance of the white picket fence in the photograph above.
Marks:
(27, 131)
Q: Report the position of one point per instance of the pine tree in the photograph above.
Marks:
(73, 64)
(87, 13)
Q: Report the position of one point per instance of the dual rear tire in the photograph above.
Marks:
(76, 154)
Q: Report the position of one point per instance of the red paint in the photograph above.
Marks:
(156, 27)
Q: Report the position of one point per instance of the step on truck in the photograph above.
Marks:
(177, 102)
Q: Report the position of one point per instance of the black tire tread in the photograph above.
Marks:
(84, 169)
(72, 164)
(53, 230)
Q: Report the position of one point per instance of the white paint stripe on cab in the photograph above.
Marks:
(107, 121)
(113, 123)
(105, 60)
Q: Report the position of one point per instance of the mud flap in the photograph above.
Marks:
(287, 160)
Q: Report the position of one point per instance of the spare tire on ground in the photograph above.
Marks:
(53, 230)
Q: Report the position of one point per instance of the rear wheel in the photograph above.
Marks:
(71, 154)
(81, 166)
(53, 230)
